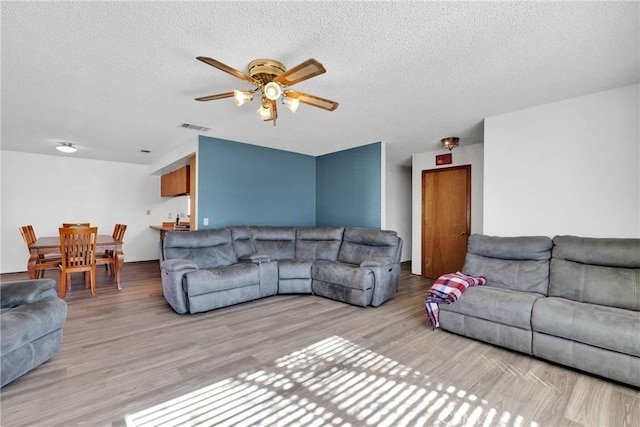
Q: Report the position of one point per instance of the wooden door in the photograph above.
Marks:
(446, 219)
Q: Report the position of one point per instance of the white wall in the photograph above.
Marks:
(398, 204)
(45, 191)
(463, 155)
(570, 167)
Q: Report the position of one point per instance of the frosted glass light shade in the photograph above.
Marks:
(66, 147)
(272, 91)
(242, 96)
(265, 113)
(292, 104)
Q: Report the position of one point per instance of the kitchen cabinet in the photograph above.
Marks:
(175, 183)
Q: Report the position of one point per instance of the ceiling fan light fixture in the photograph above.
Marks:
(264, 112)
(291, 103)
(271, 78)
(272, 91)
(242, 96)
(66, 147)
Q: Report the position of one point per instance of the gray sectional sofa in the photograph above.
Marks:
(31, 321)
(208, 269)
(570, 300)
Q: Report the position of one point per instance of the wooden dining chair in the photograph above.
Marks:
(118, 234)
(75, 224)
(45, 261)
(28, 234)
(78, 249)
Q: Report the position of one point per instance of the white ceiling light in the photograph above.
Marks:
(272, 91)
(291, 103)
(242, 96)
(66, 147)
(264, 112)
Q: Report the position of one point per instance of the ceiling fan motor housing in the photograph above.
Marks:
(265, 70)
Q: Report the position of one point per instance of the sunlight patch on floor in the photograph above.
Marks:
(331, 383)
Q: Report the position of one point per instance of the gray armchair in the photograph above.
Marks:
(31, 321)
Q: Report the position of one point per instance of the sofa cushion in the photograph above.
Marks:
(342, 282)
(277, 242)
(517, 263)
(504, 306)
(605, 327)
(26, 323)
(350, 276)
(318, 242)
(220, 279)
(598, 271)
(206, 248)
(15, 293)
(241, 239)
(609, 252)
(360, 244)
(294, 269)
(294, 276)
(608, 286)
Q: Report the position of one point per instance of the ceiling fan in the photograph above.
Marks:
(272, 79)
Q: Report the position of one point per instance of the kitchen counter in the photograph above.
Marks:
(170, 226)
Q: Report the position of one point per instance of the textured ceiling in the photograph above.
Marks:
(118, 77)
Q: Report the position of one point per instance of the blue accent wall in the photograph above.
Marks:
(349, 186)
(247, 184)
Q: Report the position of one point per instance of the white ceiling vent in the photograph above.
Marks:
(194, 127)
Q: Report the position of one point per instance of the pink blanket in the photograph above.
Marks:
(447, 289)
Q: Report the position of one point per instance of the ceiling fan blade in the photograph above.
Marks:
(306, 70)
(314, 101)
(235, 73)
(216, 96)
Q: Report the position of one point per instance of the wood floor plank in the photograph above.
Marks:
(291, 360)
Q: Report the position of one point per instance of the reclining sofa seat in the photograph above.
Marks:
(591, 317)
(366, 271)
(359, 266)
(201, 272)
(517, 273)
(571, 300)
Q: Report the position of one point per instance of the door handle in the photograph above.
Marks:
(463, 233)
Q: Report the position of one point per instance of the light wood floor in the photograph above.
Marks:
(128, 359)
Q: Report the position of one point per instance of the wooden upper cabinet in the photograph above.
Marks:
(176, 183)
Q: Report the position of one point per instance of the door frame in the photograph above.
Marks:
(422, 207)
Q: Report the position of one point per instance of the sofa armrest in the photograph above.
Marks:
(172, 272)
(13, 294)
(255, 257)
(171, 265)
(383, 261)
(387, 274)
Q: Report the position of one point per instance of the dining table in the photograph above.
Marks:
(51, 244)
